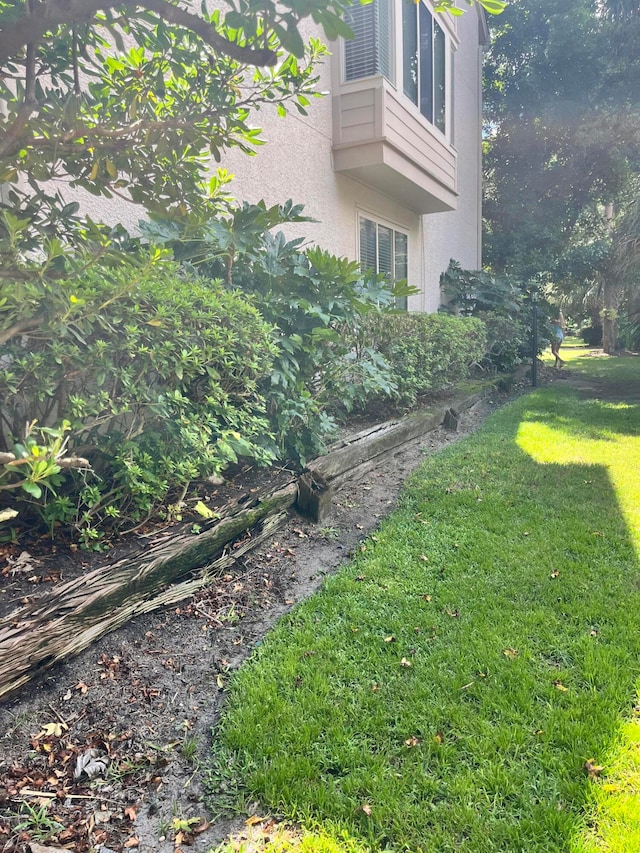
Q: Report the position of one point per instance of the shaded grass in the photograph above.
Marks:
(444, 691)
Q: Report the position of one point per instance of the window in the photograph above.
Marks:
(385, 251)
(424, 62)
(369, 52)
(422, 44)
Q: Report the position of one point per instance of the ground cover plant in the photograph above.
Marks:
(468, 681)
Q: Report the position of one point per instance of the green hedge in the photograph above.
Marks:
(158, 374)
(426, 352)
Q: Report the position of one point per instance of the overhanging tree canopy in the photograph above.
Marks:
(132, 99)
(563, 123)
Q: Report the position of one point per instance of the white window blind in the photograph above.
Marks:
(370, 51)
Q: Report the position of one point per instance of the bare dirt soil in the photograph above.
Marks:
(146, 697)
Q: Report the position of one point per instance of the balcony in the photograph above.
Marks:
(381, 140)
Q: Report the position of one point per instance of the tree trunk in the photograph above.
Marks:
(610, 297)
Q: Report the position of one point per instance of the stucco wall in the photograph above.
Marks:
(296, 162)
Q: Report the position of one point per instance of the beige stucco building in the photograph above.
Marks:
(389, 162)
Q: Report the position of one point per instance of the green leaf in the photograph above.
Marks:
(494, 7)
(32, 489)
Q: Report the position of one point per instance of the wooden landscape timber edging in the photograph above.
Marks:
(74, 614)
(359, 452)
(67, 620)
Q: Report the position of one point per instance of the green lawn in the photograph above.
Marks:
(458, 685)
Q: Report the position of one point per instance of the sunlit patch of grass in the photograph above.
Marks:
(613, 824)
(444, 691)
(268, 836)
(580, 432)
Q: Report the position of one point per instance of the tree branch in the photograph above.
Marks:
(18, 328)
(49, 14)
(209, 34)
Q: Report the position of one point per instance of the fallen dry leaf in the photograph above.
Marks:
(102, 816)
(390, 639)
(412, 741)
(132, 842)
(24, 562)
(52, 730)
(592, 769)
(405, 662)
(510, 653)
(366, 808)
(555, 573)
(254, 819)
(91, 763)
(560, 686)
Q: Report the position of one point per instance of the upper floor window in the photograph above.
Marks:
(422, 49)
(424, 62)
(370, 51)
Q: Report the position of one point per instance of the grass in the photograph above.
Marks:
(458, 685)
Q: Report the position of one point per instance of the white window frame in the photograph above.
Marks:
(363, 215)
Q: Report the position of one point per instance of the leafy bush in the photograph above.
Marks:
(427, 352)
(592, 335)
(499, 302)
(316, 301)
(508, 339)
(157, 374)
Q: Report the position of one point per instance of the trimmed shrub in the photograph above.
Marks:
(426, 352)
(317, 302)
(508, 339)
(500, 303)
(158, 375)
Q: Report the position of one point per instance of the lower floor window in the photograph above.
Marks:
(385, 251)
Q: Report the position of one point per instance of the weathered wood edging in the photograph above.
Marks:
(74, 614)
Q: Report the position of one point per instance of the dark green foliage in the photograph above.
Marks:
(158, 374)
(508, 339)
(499, 302)
(472, 292)
(562, 125)
(317, 302)
(592, 335)
(427, 352)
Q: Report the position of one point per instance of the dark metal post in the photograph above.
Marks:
(534, 335)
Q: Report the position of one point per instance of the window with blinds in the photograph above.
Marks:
(385, 251)
(370, 51)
